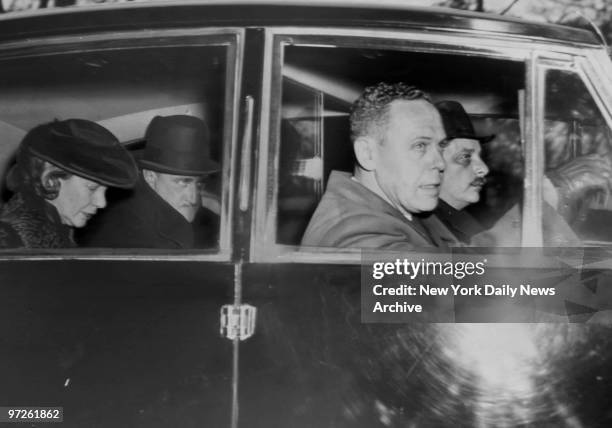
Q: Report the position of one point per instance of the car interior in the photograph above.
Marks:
(319, 87)
(122, 89)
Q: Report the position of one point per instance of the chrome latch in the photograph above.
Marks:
(238, 321)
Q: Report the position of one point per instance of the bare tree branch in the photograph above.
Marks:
(508, 7)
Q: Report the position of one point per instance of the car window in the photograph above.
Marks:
(578, 158)
(319, 85)
(123, 88)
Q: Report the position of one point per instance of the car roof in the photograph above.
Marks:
(388, 14)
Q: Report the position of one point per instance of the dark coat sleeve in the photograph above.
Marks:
(206, 229)
(344, 225)
(118, 227)
(9, 237)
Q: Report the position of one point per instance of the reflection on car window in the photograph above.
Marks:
(578, 157)
(319, 87)
(165, 105)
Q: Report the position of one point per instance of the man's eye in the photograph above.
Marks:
(420, 146)
(464, 159)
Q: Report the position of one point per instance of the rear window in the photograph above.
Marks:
(123, 88)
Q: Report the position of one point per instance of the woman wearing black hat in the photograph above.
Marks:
(62, 172)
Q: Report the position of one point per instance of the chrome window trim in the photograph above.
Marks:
(531, 232)
(470, 39)
(502, 257)
(263, 245)
(40, 45)
(260, 208)
(592, 73)
(69, 254)
(231, 37)
(590, 67)
(599, 62)
(533, 207)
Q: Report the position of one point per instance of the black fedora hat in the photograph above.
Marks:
(457, 123)
(178, 145)
(84, 148)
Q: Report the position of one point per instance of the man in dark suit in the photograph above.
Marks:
(163, 207)
(465, 173)
(465, 176)
(398, 139)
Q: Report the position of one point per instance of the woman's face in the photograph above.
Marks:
(78, 200)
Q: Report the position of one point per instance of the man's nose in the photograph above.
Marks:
(100, 198)
(480, 168)
(191, 193)
(437, 160)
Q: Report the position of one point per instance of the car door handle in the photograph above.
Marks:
(246, 162)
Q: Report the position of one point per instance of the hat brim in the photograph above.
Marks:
(122, 173)
(209, 166)
(480, 138)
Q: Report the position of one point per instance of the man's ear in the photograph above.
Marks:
(150, 177)
(366, 152)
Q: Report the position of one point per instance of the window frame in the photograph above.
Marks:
(230, 37)
(263, 245)
(589, 68)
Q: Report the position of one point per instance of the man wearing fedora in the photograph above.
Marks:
(465, 173)
(59, 182)
(160, 211)
(465, 176)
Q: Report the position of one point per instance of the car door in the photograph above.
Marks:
(318, 360)
(122, 337)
